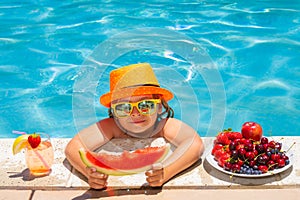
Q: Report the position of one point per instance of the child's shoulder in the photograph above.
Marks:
(106, 124)
(107, 120)
(174, 121)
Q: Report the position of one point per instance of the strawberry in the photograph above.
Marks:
(219, 153)
(222, 139)
(216, 147)
(234, 135)
(34, 140)
(223, 159)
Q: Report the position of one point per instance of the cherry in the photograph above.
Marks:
(249, 147)
(271, 144)
(259, 148)
(266, 157)
(227, 166)
(234, 154)
(242, 153)
(278, 146)
(240, 162)
(275, 157)
(271, 164)
(252, 163)
(232, 145)
(263, 168)
(250, 155)
(285, 157)
(255, 152)
(246, 141)
(281, 162)
(237, 141)
(262, 159)
(266, 146)
(264, 140)
(236, 168)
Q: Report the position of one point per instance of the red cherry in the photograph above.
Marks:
(249, 147)
(271, 164)
(240, 162)
(247, 141)
(227, 166)
(263, 168)
(264, 140)
(242, 153)
(259, 148)
(250, 155)
(266, 146)
(236, 168)
(281, 162)
(252, 163)
(272, 144)
(275, 157)
(234, 154)
(237, 141)
(284, 157)
(255, 152)
(278, 146)
(232, 145)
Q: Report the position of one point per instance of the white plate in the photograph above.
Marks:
(214, 163)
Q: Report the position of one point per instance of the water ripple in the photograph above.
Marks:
(231, 24)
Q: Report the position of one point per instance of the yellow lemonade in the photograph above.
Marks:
(40, 159)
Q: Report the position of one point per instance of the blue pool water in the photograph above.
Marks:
(226, 61)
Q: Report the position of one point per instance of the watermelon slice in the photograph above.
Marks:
(125, 163)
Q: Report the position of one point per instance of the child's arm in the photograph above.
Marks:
(89, 138)
(189, 149)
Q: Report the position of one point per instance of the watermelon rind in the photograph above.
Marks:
(118, 172)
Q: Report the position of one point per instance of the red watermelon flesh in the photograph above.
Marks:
(126, 162)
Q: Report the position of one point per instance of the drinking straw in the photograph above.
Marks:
(34, 150)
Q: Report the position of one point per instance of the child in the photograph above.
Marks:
(138, 108)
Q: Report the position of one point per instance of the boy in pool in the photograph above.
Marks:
(138, 108)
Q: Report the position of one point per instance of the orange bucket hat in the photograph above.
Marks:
(133, 80)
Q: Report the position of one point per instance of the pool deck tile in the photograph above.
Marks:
(178, 194)
(199, 180)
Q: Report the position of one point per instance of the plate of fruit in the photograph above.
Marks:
(248, 153)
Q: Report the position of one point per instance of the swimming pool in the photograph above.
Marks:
(227, 62)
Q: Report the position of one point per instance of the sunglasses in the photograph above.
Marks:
(145, 107)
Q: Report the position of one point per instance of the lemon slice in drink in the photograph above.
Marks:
(20, 143)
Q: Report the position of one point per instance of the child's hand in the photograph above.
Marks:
(155, 176)
(96, 179)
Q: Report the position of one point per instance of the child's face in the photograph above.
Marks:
(137, 122)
